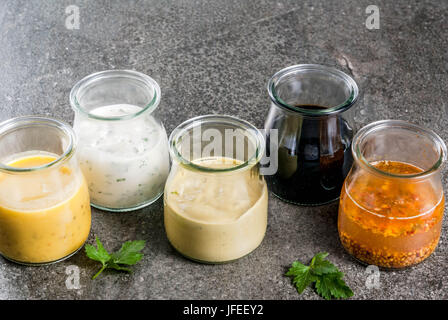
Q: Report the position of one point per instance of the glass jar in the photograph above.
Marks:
(44, 201)
(392, 201)
(123, 148)
(215, 201)
(310, 108)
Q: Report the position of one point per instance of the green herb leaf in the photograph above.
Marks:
(99, 254)
(129, 254)
(115, 266)
(302, 276)
(327, 278)
(333, 286)
(321, 266)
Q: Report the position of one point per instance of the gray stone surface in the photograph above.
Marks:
(216, 57)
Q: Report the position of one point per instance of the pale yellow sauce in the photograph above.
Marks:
(215, 217)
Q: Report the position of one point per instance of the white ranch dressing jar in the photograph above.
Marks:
(123, 148)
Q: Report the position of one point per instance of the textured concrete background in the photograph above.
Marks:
(216, 56)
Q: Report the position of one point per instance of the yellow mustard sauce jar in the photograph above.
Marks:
(44, 201)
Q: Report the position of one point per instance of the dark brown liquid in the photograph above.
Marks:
(313, 158)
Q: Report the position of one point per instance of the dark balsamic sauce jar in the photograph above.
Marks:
(311, 110)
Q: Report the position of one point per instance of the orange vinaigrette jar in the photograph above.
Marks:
(392, 203)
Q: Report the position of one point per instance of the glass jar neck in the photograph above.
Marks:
(35, 134)
(214, 137)
(313, 90)
(399, 141)
(115, 87)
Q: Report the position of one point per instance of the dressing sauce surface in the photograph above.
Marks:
(387, 221)
(44, 215)
(125, 162)
(215, 217)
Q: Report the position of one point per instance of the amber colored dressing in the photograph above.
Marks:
(392, 222)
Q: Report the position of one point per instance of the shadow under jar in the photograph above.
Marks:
(123, 147)
(310, 108)
(44, 201)
(392, 202)
(215, 201)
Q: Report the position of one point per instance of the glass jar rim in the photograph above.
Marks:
(26, 121)
(381, 124)
(107, 74)
(348, 103)
(189, 124)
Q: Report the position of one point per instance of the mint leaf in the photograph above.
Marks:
(326, 277)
